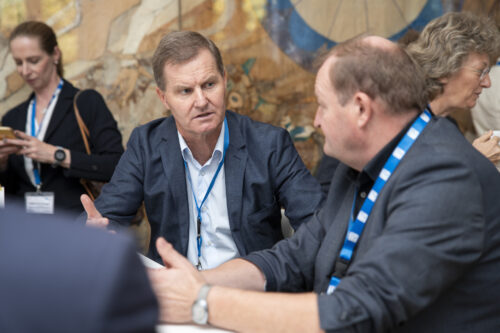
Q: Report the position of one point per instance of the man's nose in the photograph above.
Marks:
(200, 98)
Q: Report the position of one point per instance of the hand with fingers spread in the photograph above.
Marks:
(94, 217)
(176, 286)
(488, 146)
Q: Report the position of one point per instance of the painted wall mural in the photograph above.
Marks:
(268, 48)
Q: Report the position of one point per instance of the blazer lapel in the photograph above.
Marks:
(21, 113)
(63, 106)
(173, 166)
(234, 168)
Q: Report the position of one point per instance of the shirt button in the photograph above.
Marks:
(362, 195)
(204, 209)
(202, 173)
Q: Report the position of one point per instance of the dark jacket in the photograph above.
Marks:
(105, 142)
(429, 257)
(57, 277)
(263, 172)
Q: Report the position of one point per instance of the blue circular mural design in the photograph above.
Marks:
(301, 43)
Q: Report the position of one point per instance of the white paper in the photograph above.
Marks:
(2, 196)
(496, 133)
(149, 263)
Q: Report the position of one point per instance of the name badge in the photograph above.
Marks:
(39, 202)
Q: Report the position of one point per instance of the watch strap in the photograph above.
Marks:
(200, 306)
(203, 293)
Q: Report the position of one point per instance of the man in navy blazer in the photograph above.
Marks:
(407, 241)
(213, 182)
(60, 277)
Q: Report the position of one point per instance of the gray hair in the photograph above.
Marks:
(446, 42)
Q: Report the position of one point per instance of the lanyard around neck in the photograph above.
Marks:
(356, 227)
(199, 239)
(34, 132)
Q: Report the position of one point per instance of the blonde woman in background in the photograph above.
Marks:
(48, 156)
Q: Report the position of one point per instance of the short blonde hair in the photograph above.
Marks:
(446, 42)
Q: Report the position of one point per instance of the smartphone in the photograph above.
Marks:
(6, 133)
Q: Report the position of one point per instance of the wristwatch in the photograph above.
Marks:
(59, 156)
(199, 309)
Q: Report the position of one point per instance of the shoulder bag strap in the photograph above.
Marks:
(81, 124)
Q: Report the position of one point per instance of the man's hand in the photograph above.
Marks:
(175, 286)
(94, 218)
(488, 146)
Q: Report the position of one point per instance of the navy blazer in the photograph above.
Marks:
(57, 277)
(263, 172)
(105, 144)
(429, 257)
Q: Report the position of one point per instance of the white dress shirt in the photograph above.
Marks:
(40, 129)
(217, 242)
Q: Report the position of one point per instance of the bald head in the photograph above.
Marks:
(379, 42)
(379, 68)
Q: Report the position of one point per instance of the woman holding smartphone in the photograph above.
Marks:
(48, 158)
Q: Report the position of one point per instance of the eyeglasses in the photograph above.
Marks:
(482, 73)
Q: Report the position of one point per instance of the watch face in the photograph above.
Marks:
(60, 155)
(200, 312)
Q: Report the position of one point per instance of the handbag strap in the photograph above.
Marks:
(81, 124)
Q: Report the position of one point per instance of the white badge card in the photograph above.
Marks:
(39, 202)
(2, 196)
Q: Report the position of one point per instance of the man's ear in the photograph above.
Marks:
(162, 97)
(364, 108)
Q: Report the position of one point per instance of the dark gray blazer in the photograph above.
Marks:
(59, 277)
(429, 257)
(263, 173)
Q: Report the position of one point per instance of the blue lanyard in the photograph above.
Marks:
(34, 133)
(199, 239)
(355, 228)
